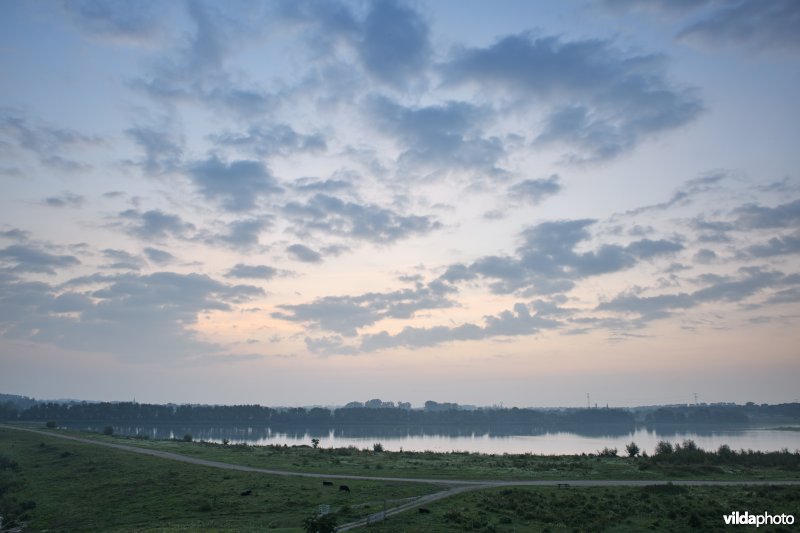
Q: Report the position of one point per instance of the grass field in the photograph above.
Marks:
(622, 509)
(57, 485)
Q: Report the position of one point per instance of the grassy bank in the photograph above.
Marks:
(620, 509)
(52, 484)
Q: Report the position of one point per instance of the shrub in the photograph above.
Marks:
(632, 449)
(607, 452)
(187, 438)
(108, 430)
(50, 424)
(377, 447)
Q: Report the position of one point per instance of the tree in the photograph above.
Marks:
(320, 524)
(314, 443)
(108, 430)
(50, 424)
(664, 448)
(632, 449)
(377, 447)
(187, 437)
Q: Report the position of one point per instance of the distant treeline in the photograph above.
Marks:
(131, 412)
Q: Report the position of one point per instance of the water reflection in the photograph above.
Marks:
(446, 439)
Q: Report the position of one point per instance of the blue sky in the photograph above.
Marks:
(291, 203)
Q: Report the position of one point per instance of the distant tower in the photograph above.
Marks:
(695, 398)
(588, 404)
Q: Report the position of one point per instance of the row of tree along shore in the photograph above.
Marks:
(432, 415)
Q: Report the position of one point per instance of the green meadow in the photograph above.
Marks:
(51, 484)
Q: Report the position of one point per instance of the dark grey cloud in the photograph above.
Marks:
(46, 142)
(329, 186)
(159, 257)
(237, 186)
(65, 200)
(782, 245)
(31, 258)
(546, 261)
(684, 195)
(327, 214)
(15, 234)
(705, 256)
(439, 137)
(154, 224)
(119, 21)
(506, 324)
(196, 71)
(395, 46)
(605, 101)
(303, 253)
(533, 191)
(252, 272)
(111, 318)
(346, 314)
(753, 216)
(753, 24)
(162, 149)
(274, 139)
(720, 289)
(122, 260)
(241, 234)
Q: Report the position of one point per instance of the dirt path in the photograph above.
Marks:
(455, 486)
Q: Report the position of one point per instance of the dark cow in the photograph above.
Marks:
(423, 510)
(247, 492)
(327, 483)
(344, 488)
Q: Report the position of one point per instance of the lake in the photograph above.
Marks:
(422, 439)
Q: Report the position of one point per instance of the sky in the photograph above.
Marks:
(315, 202)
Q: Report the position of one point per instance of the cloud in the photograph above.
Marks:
(546, 261)
(276, 139)
(112, 318)
(782, 245)
(122, 260)
(300, 252)
(330, 215)
(44, 141)
(16, 234)
(506, 324)
(163, 151)
(721, 289)
(30, 258)
(237, 186)
(159, 257)
(534, 191)
(752, 24)
(118, 21)
(395, 46)
(753, 216)
(252, 271)
(439, 137)
(683, 196)
(604, 102)
(64, 200)
(154, 224)
(241, 234)
(346, 314)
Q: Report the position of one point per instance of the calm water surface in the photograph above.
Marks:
(548, 443)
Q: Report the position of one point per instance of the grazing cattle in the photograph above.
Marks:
(423, 510)
(344, 488)
(327, 483)
(247, 492)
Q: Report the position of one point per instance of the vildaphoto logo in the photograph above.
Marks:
(765, 519)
